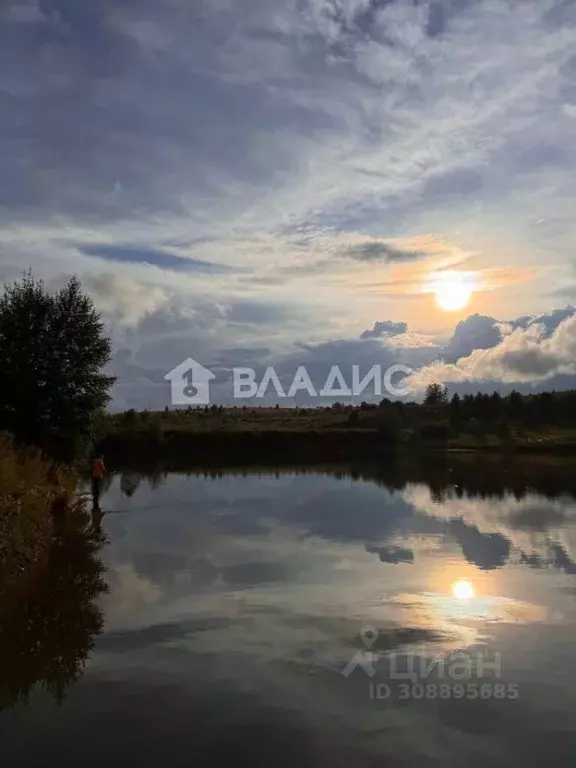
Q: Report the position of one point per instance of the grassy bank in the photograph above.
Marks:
(50, 576)
(34, 492)
(276, 435)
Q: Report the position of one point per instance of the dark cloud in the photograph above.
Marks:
(550, 320)
(385, 328)
(475, 332)
(379, 251)
(157, 257)
(392, 555)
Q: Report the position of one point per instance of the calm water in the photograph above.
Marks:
(272, 619)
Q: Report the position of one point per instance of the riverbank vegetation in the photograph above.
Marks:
(54, 391)
(53, 350)
(49, 610)
(33, 493)
(539, 422)
(50, 575)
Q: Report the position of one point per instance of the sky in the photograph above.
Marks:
(300, 182)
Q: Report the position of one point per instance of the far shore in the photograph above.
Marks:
(309, 446)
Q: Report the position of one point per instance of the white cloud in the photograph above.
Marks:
(125, 300)
(523, 355)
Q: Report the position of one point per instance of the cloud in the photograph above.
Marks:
(125, 301)
(549, 321)
(526, 353)
(391, 554)
(380, 251)
(164, 329)
(482, 332)
(385, 328)
(363, 95)
(286, 165)
(475, 332)
(255, 312)
(151, 256)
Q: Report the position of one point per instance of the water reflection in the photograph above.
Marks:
(48, 624)
(260, 534)
(241, 598)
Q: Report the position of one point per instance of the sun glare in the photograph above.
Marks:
(462, 590)
(453, 290)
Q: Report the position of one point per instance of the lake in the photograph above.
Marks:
(337, 616)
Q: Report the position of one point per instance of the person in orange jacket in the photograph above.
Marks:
(98, 472)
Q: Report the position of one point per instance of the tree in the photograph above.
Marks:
(436, 394)
(496, 406)
(53, 350)
(455, 409)
(515, 405)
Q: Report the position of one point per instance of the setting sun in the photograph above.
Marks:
(452, 290)
(463, 590)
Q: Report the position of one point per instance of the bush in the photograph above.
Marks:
(31, 490)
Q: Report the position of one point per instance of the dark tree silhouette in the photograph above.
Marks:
(455, 409)
(53, 350)
(436, 394)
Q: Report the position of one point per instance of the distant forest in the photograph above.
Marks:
(490, 410)
(483, 421)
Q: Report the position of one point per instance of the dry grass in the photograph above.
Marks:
(31, 491)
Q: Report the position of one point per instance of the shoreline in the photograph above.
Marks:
(278, 447)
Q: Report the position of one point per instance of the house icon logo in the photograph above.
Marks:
(190, 383)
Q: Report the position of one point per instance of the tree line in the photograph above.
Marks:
(542, 408)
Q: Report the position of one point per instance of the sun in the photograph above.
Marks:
(453, 290)
(463, 590)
